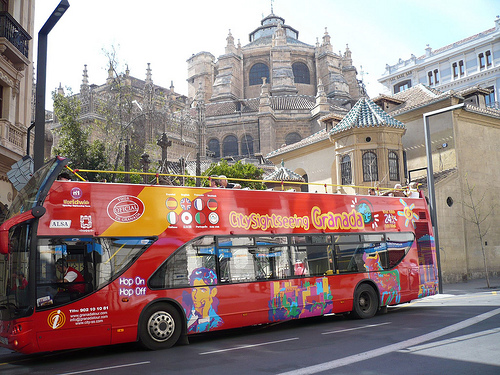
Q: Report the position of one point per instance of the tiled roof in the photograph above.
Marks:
(438, 176)
(364, 114)
(415, 97)
(284, 174)
(421, 96)
(278, 103)
(316, 137)
(268, 40)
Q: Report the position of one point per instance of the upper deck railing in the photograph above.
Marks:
(402, 192)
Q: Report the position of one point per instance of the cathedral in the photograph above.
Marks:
(245, 104)
(270, 92)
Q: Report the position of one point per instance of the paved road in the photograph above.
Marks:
(454, 333)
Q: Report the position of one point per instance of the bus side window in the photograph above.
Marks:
(177, 270)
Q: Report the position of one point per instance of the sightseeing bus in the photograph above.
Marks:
(158, 263)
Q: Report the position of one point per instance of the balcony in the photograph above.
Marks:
(14, 41)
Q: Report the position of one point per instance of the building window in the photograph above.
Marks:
(430, 78)
(230, 146)
(301, 73)
(402, 86)
(370, 168)
(246, 145)
(292, 138)
(393, 166)
(436, 76)
(345, 170)
(490, 98)
(214, 147)
(461, 68)
(488, 58)
(481, 60)
(258, 71)
(455, 70)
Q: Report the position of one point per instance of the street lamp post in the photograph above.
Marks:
(430, 183)
(41, 77)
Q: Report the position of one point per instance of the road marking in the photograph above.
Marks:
(249, 346)
(354, 329)
(391, 348)
(106, 368)
(449, 341)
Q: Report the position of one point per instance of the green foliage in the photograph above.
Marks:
(238, 170)
(74, 138)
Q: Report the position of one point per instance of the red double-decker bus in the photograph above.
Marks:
(87, 264)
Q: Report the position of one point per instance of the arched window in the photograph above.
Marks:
(214, 147)
(230, 146)
(258, 71)
(370, 168)
(301, 73)
(393, 166)
(292, 138)
(345, 170)
(246, 145)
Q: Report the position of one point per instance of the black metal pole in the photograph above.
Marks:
(41, 78)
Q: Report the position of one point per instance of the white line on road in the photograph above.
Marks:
(249, 346)
(450, 341)
(391, 348)
(107, 368)
(354, 329)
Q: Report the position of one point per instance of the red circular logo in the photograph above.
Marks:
(125, 209)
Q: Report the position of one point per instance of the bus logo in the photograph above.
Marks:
(56, 319)
(125, 209)
(76, 193)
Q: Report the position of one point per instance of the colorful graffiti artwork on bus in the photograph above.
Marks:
(428, 272)
(365, 208)
(388, 282)
(408, 213)
(201, 304)
(300, 301)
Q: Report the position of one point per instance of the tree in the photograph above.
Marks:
(238, 170)
(477, 216)
(74, 138)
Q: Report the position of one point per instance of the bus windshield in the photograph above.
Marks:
(15, 292)
(29, 195)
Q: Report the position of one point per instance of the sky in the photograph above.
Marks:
(166, 33)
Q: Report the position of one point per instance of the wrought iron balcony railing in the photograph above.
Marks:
(14, 33)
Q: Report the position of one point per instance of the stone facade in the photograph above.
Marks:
(271, 91)
(16, 82)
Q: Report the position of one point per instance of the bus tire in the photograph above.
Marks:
(160, 327)
(365, 303)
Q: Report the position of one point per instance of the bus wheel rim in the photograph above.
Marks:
(161, 326)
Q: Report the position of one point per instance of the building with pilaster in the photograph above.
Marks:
(473, 61)
(16, 82)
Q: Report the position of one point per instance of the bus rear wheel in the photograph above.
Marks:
(160, 327)
(365, 303)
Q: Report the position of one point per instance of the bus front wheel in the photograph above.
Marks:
(160, 327)
(365, 303)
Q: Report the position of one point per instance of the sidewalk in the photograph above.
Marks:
(472, 286)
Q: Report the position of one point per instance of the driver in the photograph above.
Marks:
(70, 276)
